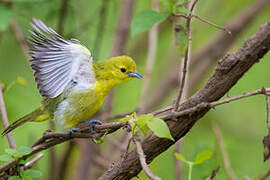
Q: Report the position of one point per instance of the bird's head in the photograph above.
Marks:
(117, 69)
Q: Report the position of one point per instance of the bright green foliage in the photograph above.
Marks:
(181, 158)
(5, 158)
(23, 150)
(160, 128)
(141, 122)
(203, 156)
(32, 173)
(176, 7)
(12, 152)
(101, 139)
(27, 175)
(14, 178)
(181, 40)
(145, 20)
(5, 17)
(200, 158)
(148, 122)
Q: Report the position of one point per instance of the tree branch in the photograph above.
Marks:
(229, 70)
(50, 139)
(4, 118)
(203, 59)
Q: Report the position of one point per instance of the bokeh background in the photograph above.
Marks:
(242, 123)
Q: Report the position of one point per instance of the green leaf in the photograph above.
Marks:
(145, 20)
(203, 156)
(20, 80)
(181, 158)
(5, 158)
(125, 119)
(181, 40)
(23, 150)
(25, 177)
(14, 178)
(12, 152)
(133, 129)
(160, 128)
(5, 17)
(141, 122)
(101, 139)
(183, 10)
(33, 173)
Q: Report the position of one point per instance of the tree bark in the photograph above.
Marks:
(228, 71)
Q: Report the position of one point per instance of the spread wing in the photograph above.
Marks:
(55, 61)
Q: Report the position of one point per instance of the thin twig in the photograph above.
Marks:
(30, 163)
(205, 21)
(267, 108)
(141, 155)
(51, 139)
(228, 169)
(183, 72)
(5, 118)
(247, 94)
(213, 174)
(151, 56)
(207, 56)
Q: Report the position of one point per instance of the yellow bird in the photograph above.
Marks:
(73, 86)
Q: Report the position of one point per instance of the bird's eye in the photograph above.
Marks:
(123, 70)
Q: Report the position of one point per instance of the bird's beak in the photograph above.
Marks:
(135, 74)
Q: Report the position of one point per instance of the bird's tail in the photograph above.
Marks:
(36, 115)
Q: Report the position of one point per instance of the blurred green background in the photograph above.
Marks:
(243, 123)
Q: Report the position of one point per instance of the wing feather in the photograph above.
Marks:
(55, 61)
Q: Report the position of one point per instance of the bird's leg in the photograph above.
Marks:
(91, 123)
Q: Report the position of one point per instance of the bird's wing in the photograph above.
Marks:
(55, 61)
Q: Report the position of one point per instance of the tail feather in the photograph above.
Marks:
(29, 117)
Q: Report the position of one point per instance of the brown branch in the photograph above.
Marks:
(50, 139)
(203, 60)
(213, 174)
(184, 71)
(4, 118)
(228, 169)
(229, 70)
(203, 20)
(141, 155)
(30, 163)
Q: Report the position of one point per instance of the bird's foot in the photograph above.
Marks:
(91, 123)
(72, 131)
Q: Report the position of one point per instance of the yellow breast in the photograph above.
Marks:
(80, 106)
